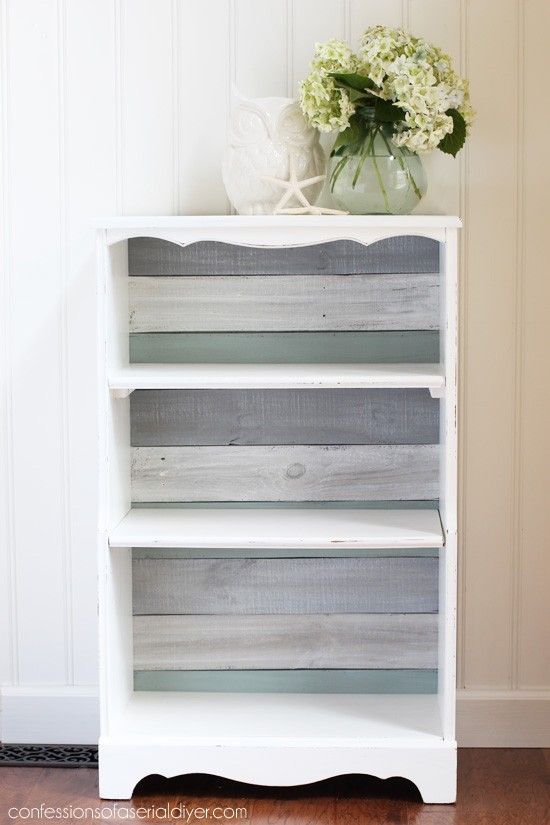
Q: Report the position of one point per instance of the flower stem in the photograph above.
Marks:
(381, 184)
(336, 172)
(379, 176)
(367, 148)
(402, 165)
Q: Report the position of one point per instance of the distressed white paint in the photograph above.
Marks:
(121, 528)
(230, 376)
(71, 129)
(272, 528)
(231, 735)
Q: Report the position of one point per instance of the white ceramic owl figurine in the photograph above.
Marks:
(264, 133)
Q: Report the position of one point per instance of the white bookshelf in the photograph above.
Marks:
(267, 738)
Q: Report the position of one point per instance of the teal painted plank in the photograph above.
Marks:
(298, 553)
(289, 681)
(285, 347)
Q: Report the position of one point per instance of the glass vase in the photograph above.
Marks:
(380, 178)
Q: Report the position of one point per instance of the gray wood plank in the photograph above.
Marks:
(285, 303)
(172, 418)
(285, 642)
(381, 504)
(266, 586)
(289, 473)
(280, 553)
(289, 681)
(150, 256)
(386, 347)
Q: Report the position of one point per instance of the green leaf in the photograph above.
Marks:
(354, 95)
(347, 140)
(355, 81)
(453, 142)
(387, 112)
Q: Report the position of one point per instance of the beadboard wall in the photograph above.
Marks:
(121, 106)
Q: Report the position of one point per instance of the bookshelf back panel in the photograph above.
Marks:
(285, 641)
(391, 347)
(182, 586)
(149, 257)
(336, 302)
(285, 473)
(236, 303)
(172, 418)
(327, 680)
(326, 624)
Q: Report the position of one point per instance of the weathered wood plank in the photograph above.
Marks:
(289, 681)
(150, 256)
(386, 347)
(382, 504)
(289, 473)
(285, 642)
(268, 586)
(285, 552)
(285, 303)
(261, 417)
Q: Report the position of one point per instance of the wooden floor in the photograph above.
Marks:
(496, 787)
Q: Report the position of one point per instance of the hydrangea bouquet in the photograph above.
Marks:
(397, 89)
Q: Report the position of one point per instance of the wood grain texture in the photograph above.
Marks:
(424, 504)
(246, 417)
(150, 256)
(495, 785)
(287, 553)
(284, 641)
(289, 681)
(269, 586)
(289, 473)
(385, 347)
(286, 302)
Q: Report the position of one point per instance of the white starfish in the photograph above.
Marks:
(311, 210)
(293, 188)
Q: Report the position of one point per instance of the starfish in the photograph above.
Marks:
(293, 188)
(310, 210)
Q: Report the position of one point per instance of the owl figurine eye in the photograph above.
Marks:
(248, 125)
(292, 127)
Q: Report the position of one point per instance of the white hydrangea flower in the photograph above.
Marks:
(327, 106)
(411, 73)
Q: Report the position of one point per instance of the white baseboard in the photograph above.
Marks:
(49, 715)
(503, 718)
(70, 715)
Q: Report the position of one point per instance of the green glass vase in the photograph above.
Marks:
(378, 177)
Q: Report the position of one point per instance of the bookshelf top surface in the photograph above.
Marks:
(345, 222)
